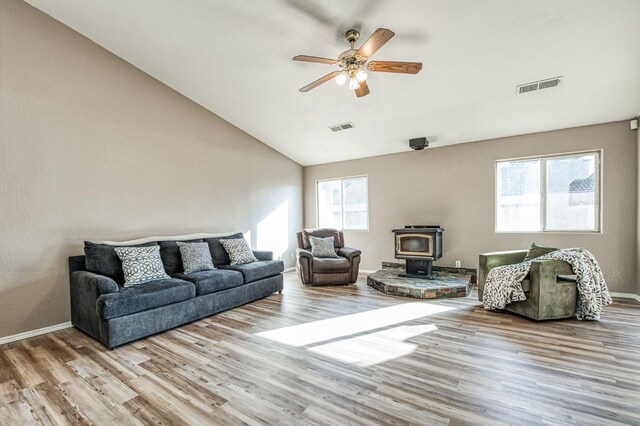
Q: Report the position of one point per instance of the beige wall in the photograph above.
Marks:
(454, 186)
(93, 148)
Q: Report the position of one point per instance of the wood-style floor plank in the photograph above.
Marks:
(459, 366)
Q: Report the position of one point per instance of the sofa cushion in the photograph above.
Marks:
(218, 253)
(143, 297)
(214, 280)
(102, 259)
(170, 254)
(257, 270)
(330, 266)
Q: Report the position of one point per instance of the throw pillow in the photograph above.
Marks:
(141, 264)
(171, 257)
(102, 259)
(239, 251)
(537, 251)
(195, 257)
(322, 247)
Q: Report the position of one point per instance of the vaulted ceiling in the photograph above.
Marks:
(234, 58)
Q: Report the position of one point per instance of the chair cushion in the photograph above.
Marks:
(338, 241)
(257, 270)
(171, 257)
(214, 280)
(330, 266)
(218, 253)
(537, 251)
(143, 297)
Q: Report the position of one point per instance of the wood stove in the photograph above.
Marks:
(419, 245)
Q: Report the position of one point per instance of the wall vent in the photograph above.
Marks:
(340, 127)
(538, 85)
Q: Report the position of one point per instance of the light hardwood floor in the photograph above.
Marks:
(337, 355)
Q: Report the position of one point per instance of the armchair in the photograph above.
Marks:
(550, 286)
(326, 271)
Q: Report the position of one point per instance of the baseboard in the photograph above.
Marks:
(33, 333)
(366, 271)
(626, 296)
(293, 268)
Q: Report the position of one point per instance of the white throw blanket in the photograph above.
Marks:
(504, 283)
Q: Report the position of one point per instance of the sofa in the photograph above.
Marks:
(326, 271)
(550, 286)
(114, 315)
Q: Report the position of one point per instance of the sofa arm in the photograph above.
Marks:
(304, 253)
(263, 255)
(547, 271)
(488, 261)
(304, 265)
(85, 289)
(98, 284)
(349, 253)
(549, 297)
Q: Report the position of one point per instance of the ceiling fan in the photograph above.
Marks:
(354, 65)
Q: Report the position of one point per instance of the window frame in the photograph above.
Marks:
(342, 179)
(543, 192)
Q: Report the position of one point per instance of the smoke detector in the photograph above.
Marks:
(538, 85)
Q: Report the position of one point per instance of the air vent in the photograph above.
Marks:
(343, 126)
(538, 85)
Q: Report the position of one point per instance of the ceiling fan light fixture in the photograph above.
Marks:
(341, 79)
(355, 64)
(361, 75)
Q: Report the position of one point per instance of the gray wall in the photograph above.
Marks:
(93, 148)
(454, 186)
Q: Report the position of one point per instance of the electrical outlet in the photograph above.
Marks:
(292, 256)
(458, 264)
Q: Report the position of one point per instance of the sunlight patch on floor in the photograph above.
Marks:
(374, 348)
(347, 325)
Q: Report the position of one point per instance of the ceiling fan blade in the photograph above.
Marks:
(397, 67)
(375, 42)
(305, 58)
(319, 81)
(362, 90)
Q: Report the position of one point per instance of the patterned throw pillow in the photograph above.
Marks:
(322, 247)
(239, 251)
(141, 264)
(195, 257)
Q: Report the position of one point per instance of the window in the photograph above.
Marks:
(555, 193)
(342, 203)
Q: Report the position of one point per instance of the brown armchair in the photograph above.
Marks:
(326, 271)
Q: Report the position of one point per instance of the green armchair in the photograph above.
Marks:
(550, 286)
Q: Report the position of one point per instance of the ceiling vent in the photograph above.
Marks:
(538, 85)
(340, 127)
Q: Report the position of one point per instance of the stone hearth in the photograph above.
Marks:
(447, 284)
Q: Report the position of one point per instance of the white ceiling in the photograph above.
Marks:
(234, 58)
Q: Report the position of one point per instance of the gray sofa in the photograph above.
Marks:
(115, 315)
